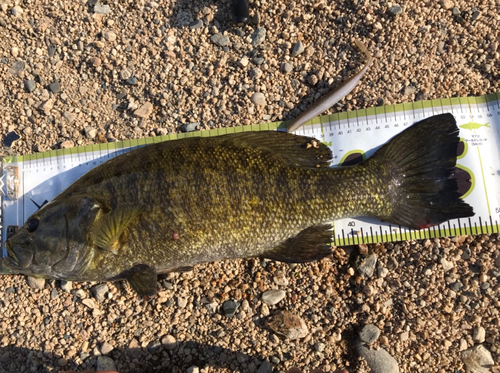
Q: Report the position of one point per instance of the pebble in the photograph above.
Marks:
(11, 138)
(229, 308)
(109, 35)
(220, 40)
(193, 369)
(265, 367)
(99, 291)
(100, 8)
(366, 266)
(29, 85)
(281, 280)
(479, 334)
(258, 36)
(286, 67)
(181, 302)
(404, 336)
(35, 282)
(153, 346)
(14, 51)
(131, 81)
(447, 4)
(89, 303)
(54, 294)
(409, 90)
(67, 144)
(190, 127)
(258, 99)
(169, 342)
(106, 348)
(55, 87)
(212, 307)
(369, 333)
(477, 359)
(144, 111)
(17, 11)
(255, 73)
(66, 286)
(18, 66)
(196, 24)
(497, 261)
(90, 132)
(273, 296)
(62, 362)
(184, 18)
(264, 310)
(105, 363)
(456, 286)
(298, 48)
(394, 10)
(447, 265)
(289, 325)
(243, 62)
(379, 361)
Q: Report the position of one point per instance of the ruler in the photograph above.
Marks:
(30, 180)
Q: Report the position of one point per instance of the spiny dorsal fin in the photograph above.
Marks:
(296, 150)
(310, 244)
(108, 228)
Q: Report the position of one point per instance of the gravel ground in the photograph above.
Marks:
(73, 72)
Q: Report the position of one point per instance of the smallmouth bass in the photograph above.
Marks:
(175, 204)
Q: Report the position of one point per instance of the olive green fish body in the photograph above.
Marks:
(175, 204)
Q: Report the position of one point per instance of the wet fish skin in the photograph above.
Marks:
(270, 194)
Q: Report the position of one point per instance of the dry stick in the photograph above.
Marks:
(334, 96)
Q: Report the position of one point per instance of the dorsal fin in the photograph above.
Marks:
(300, 151)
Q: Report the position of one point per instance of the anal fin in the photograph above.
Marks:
(311, 244)
(143, 279)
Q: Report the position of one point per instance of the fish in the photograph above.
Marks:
(172, 205)
(474, 125)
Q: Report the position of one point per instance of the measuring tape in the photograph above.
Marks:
(30, 180)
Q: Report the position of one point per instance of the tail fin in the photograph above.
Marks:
(420, 162)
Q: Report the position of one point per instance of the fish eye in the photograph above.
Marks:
(32, 223)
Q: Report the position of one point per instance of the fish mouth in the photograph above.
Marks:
(18, 258)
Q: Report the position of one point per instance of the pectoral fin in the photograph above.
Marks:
(143, 279)
(108, 228)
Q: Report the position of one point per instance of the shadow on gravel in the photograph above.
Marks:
(137, 360)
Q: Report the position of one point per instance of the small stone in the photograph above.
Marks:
(369, 333)
(258, 99)
(286, 67)
(66, 286)
(255, 73)
(90, 132)
(440, 47)
(475, 14)
(17, 11)
(264, 310)
(131, 81)
(67, 144)
(62, 362)
(36, 282)
(265, 367)
(243, 62)
(14, 51)
(404, 336)
(497, 261)
(379, 361)
(394, 10)
(105, 363)
(54, 294)
(106, 348)
(144, 111)
(312, 79)
(281, 280)
(100, 8)
(447, 4)
(456, 286)
(193, 369)
(258, 36)
(181, 302)
(169, 342)
(409, 90)
(455, 11)
(184, 18)
(55, 87)
(298, 48)
(366, 266)
(220, 40)
(320, 347)
(212, 307)
(89, 303)
(229, 308)
(258, 60)
(289, 325)
(29, 85)
(196, 24)
(153, 346)
(99, 291)
(18, 66)
(447, 265)
(272, 297)
(382, 272)
(95, 61)
(109, 35)
(479, 334)
(190, 127)
(463, 345)
(12, 137)
(477, 359)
